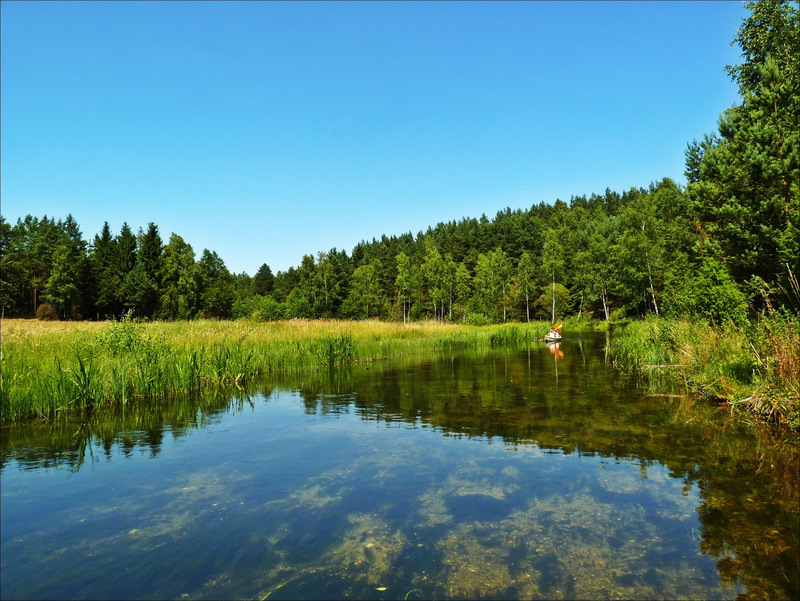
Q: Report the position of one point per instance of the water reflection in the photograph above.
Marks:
(555, 350)
(69, 442)
(518, 473)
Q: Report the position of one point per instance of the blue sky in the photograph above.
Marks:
(266, 131)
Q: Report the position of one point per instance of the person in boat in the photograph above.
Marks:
(554, 331)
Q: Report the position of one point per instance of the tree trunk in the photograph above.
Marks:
(527, 307)
(650, 277)
(554, 297)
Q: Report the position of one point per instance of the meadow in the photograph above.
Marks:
(49, 367)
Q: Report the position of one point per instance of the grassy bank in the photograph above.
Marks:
(49, 367)
(753, 369)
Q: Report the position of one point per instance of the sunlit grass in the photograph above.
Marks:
(755, 369)
(55, 366)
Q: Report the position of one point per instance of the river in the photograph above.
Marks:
(527, 472)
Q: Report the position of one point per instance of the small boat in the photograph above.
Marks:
(554, 335)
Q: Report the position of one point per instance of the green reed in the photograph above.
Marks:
(48, 368)
(753, 369)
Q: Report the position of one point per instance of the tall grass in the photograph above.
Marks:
(753, 369)
(57, 366)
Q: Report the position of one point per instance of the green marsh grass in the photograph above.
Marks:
(753, 369)
(49, 367)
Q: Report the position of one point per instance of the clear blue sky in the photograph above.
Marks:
(266, 131)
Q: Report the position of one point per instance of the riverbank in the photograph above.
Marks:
(49, 367)
(754, 369)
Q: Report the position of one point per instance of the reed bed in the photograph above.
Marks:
(753, 369)
(49, 367)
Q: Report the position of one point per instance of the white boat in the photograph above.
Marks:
(552, 338)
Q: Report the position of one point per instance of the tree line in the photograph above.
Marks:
(724, 245)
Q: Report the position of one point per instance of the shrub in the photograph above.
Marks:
(266, 308)
(477, 319)
(47, 312)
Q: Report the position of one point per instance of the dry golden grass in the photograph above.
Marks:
(200, 333)
(16, 329)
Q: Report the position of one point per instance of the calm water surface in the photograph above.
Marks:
(512, 473)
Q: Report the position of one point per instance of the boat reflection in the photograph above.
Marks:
(555, 349)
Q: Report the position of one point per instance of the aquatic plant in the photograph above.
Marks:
(335, 350)
(52, 366)
(753, 369)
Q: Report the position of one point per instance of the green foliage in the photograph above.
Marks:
(263, 281)
(363, 301)
(180, 292)
(140, 291)
(62, 289)
(125, 336)
(404, 282)
(477, 319)
(463, 289)
(753, 369)
(266, 308)
(433, 273)
(329, 283)
(713, 294)
(526, 277)
(771, 30)
(544, 304)
(493, 274)
(743, 185)
(298, 306)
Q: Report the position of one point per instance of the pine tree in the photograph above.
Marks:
(743, 185)
(101, 260)
(263, 281)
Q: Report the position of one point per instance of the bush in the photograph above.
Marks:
(298, 306)
(243, 307)
(477, 319)
(266, 308)
(617, 315)
(713, 294)
(47, 312)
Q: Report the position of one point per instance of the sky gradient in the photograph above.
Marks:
(266, 131)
